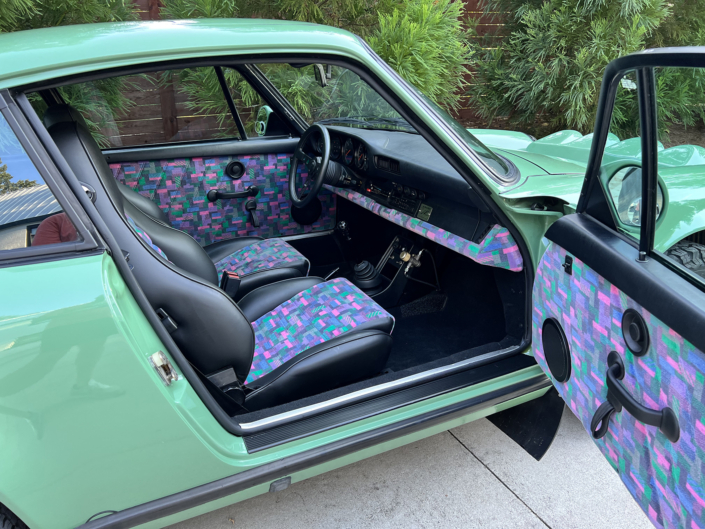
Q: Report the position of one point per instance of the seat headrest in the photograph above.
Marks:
(62, 114)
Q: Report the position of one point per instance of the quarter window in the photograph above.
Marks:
(29, 213)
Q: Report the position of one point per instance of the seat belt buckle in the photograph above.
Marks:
(230, 283)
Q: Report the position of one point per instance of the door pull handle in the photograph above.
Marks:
(214, 194)
(618, 398)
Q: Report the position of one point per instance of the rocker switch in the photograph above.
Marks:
(251, 206)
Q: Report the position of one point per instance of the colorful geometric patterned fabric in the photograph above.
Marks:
(145, 237)
(314, 316)
(497, 248)
(179, 188)
(262, 255)
(666, 478)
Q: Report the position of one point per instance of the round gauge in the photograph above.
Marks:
(348, 151)
(335, 148)
(361, 157)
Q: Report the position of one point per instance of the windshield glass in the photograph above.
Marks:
(346, 99)
(343, 98)
(497, 164)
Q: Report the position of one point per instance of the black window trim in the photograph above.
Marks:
(63, 195)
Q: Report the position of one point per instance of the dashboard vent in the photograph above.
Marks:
(382, 162)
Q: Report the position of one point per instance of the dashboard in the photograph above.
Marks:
(404, 172)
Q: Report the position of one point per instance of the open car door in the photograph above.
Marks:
(618, 325)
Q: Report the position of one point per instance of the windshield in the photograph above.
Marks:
(343, 98)
(497, 164)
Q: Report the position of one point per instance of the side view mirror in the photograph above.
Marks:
(268, 123)
(625, 191)
(262, 119)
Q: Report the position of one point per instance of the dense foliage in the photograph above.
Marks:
(550, 64)
(422, 39)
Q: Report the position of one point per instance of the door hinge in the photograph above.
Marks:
(568, 265)
(163, 367)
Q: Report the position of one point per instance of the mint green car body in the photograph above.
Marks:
(154, 440)
(67, 456)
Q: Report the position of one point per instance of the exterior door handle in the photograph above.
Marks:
(618, 398)
(214, 194)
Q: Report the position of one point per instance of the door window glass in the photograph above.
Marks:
(680, 230)
(29, 213)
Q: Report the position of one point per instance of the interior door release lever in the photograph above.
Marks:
(214, 194)
(251, 206)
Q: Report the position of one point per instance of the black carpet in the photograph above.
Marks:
(467, 313)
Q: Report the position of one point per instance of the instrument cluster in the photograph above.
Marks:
(346, 150)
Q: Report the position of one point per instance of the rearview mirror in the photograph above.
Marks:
(320, 73)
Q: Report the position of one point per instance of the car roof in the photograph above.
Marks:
(37, 55)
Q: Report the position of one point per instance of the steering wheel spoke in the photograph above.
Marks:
(316, 167)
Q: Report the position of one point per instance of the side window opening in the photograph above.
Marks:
(170, 106)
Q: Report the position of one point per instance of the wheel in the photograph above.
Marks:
(689, 254)
(8, 520)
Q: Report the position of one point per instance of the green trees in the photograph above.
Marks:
(550, 64)
(6, 183)
(16, 15)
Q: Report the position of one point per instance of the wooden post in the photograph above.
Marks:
(151, 11)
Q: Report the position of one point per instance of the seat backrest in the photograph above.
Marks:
(144, 204)
(212, 331)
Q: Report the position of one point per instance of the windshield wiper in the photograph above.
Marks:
(399, 124)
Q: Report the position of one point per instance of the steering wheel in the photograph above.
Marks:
(317, 167)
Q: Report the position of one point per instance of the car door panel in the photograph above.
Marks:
(179, 186)
(664, 477)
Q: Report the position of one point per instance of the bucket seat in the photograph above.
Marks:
(283, 341)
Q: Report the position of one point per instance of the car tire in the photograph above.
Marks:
(8, 520)
(691, 255)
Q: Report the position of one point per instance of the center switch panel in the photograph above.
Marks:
(393, 195)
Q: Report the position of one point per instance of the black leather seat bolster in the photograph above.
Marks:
(268, 297)
(143, 204)
(219, 250)
(343, 360)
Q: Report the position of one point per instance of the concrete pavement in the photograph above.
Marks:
(472, 476)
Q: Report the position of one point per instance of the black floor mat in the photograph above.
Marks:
(467, 313)
(430, 303)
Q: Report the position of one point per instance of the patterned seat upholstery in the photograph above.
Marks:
(261, 255)
(314, 316)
